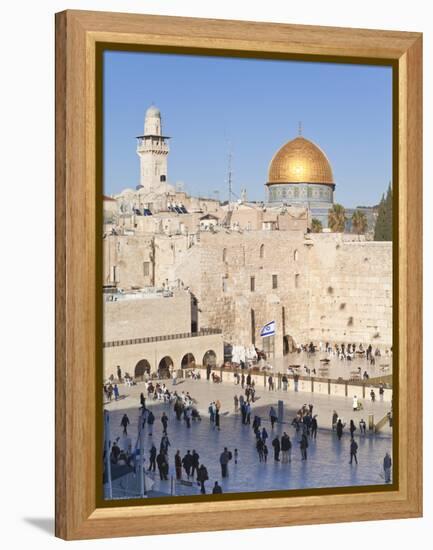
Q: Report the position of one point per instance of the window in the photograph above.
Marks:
(295, 255)
(262, 251)
(224, 281)
(297, 280)
(252, 284)
(146, 268)
(274, 281)
(224, 254)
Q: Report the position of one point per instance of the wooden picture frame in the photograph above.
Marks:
(80, 35)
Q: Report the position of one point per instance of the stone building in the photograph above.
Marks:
(176, 264)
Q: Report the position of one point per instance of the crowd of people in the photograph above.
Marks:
(188, 466)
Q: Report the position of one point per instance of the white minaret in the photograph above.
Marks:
(152, 148)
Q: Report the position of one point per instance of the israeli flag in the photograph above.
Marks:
(268, 330)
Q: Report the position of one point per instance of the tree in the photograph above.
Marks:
(316, 225)
(337, 218)
(359, 222)
(383, 227)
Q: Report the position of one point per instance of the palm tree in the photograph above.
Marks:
(316, 225)
(337, 218)
(359, 222)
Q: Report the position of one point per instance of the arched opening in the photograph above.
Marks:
(188, 361)
(141, 368)
(262, 251)
(288, 344)
(224, 255)
(296, 255)
(297, 280)
(209, 358)
(164, 367)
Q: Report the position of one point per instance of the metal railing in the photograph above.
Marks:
(165, 337)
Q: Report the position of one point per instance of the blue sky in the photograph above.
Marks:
(210, 105)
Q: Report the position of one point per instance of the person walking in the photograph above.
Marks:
(150, 421)
(224, 460)
(353, 451)
(387, 464)
(194, 462)
(116, 392)
(211, 410)
(277, 448)
(248, 413)
(164, 421)
(334, 420)
(355, 403)
(285, 443)
(165, 444)
(236, 403)
(273, 417)
(303, 446)
(162, 466)
(264, 434)
(352, 428)
(340, 427)
(372, 396)
(270, 383)
(119, 373)
(152, 459)
(243, 380)
(284, 381)
(142, 401)
(178, 464)
(265, 452)
(259, 447)
(381, 392)
(217, 419)
(202, 477)
(124, 423)
(362, 426)
(217, 489)
(314, 427)
(244, 412)
(187, 416)
(187, 463)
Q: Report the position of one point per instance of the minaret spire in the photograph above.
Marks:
(300, 128)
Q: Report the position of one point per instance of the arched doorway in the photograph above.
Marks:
(188, 361)
(209, 358)
(141, 368)
(288, 344)
(164, 367)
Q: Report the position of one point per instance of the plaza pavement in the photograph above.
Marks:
(328, 460)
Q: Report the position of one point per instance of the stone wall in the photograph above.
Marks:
(317, 287)
(128, 356)
(146, 317)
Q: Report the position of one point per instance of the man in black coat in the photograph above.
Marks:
(162, 466)
(152, 459)
(277, 447)
(194, 462)
(187, 462)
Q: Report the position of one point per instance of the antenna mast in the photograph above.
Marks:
(229, 176)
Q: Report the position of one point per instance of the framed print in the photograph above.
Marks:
(238, 274)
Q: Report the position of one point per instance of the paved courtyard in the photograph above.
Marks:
(328, 459)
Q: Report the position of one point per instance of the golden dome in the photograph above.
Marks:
(300, 161)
